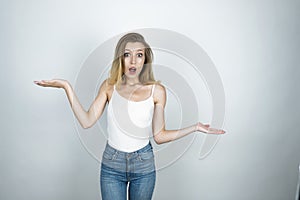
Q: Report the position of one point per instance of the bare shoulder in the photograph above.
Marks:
(159, 88)
(159, 94)
(106, 88)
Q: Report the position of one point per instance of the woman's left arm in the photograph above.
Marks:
(161, 135)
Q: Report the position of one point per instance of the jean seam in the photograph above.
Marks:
(114, 155)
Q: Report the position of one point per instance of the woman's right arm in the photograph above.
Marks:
(85, 118)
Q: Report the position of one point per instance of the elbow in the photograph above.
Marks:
(157, 141)
(158, 138)
(86, 125)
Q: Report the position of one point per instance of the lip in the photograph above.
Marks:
(132, 69)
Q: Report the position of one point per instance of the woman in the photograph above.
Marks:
(135, 111)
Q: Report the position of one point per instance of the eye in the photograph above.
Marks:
(140, 55)
(126, 54)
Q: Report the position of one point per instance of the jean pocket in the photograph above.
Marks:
(143, 156)
(110, 155)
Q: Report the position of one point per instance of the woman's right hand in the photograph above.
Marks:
(57, 83)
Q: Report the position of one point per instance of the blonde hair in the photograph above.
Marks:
(117, 69)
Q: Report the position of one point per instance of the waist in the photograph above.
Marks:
(110, 148)
(139, 161)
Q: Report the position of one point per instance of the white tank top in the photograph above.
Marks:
(129, 123)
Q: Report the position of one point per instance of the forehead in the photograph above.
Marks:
(134, 46)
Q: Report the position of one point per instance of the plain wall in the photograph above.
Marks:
(254, 45)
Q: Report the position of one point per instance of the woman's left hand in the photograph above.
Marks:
(205, 128)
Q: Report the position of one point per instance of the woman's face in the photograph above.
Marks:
(134, 58)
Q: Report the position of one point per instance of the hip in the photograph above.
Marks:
(140, 161)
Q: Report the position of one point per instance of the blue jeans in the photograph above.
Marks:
(121, 169)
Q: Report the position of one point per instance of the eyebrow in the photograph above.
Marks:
(136, 50)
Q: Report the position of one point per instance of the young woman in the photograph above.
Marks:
(135, 112)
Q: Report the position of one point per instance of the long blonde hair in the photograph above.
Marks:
(117, 69)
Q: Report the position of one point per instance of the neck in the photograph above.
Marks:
(132, 82)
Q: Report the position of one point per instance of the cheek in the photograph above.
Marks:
(141, 60)
(126, 61)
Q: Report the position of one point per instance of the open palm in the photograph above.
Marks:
(205, 128)
(57, 83)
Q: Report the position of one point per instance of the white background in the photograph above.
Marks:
(255, 46)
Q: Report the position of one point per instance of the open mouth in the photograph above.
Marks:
(132, 69)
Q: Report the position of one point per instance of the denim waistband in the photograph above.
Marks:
(140, 161)
(144, 149)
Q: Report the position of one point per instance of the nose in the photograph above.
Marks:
(133, 59)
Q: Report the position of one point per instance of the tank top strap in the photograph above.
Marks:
(152, 92)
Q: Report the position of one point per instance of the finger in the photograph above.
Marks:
(216, 131)
(219, 132)
(46, 81)
(38, 83)
(42, 83)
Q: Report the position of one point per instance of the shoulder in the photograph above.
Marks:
(106, 87)
(159, 88)
(159, 95)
